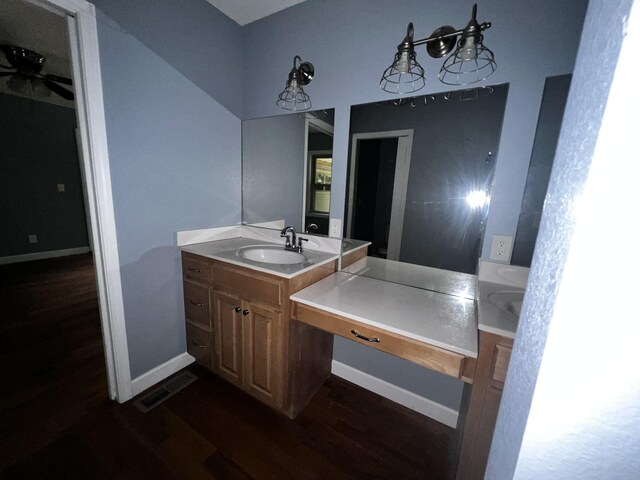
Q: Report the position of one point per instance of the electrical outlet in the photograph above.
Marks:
(501, 248)
(335, 228)
(33, 238)
(61, 187)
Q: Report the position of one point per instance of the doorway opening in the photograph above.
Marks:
(378, 180)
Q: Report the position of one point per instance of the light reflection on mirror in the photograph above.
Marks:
(420, 176)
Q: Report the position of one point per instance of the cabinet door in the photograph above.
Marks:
(227, 320)
(262, 353)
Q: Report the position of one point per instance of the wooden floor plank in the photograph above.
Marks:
(58, 423)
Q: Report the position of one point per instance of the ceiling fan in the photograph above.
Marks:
(27, 66)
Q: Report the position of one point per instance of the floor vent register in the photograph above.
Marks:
(164, 392)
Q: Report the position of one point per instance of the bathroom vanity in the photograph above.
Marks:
(268, 327)
(238, 325)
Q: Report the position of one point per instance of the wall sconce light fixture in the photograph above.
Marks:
(471, 62)
(293, 97)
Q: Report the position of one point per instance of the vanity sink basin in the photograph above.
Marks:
(509, 302)
(272, 255)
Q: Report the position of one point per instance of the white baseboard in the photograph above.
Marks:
(26, 257)
(415, 402)
(159, 373)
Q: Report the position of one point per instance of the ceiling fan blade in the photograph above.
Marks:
(6, 66)
(58, 79)
(57, 89)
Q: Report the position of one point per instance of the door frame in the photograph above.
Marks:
(85, 60)
(400, 183)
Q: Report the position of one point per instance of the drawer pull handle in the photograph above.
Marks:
(194, 269)
(238, 309)
(196, 303)
(199, 345)
(245, 312)
(368, 339)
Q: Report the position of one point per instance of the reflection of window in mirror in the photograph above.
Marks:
(319, 183)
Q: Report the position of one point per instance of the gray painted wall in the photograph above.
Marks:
(174, 155)
(37, 152)
(194, 38)
(554, 100)
(273, 169)
(576, 421)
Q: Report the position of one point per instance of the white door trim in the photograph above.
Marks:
(400, 183)
(83, 34)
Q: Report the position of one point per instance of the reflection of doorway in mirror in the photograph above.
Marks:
(377, 189)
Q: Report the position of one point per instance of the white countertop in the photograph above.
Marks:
(500, 293)
(499, 308)
(226, 251)
(442, 320)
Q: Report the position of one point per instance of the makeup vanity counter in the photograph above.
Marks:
(435, 329)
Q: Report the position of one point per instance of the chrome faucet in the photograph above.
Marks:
(291, 243)
(312, 227)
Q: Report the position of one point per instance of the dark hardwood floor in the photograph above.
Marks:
(57, 422)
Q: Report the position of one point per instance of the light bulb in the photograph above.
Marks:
(402, 64)
(468, 50)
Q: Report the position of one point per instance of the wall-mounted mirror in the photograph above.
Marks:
(286, 171)
(420, 176)
(556, 90)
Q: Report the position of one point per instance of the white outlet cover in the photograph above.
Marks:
(501, 248)
(61, 187)
(335, 228)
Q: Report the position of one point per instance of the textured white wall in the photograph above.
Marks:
(579, 418)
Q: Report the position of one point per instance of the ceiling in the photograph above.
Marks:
(247, 11)
(38, 29)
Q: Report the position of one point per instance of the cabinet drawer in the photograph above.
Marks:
(500, 363)
(423, 354)
(200, 345)
(247, 285)
(196, 269)
(197, 306)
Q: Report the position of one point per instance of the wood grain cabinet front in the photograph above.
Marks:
(490, 374)
(241, 316)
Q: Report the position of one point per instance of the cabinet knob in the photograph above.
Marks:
(199, 345)
(238, 309)
(245, 312)
(197, 304)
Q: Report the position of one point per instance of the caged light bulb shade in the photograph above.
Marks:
(472, 62)
(293, 97)
(405, 75)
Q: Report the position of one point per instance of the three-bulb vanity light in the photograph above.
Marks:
(471, 62)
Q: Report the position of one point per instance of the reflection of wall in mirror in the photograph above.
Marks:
(453, 152)
(272, 166)
(556, 90)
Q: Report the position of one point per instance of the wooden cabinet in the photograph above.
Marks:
(238, 326)
(491, 371)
